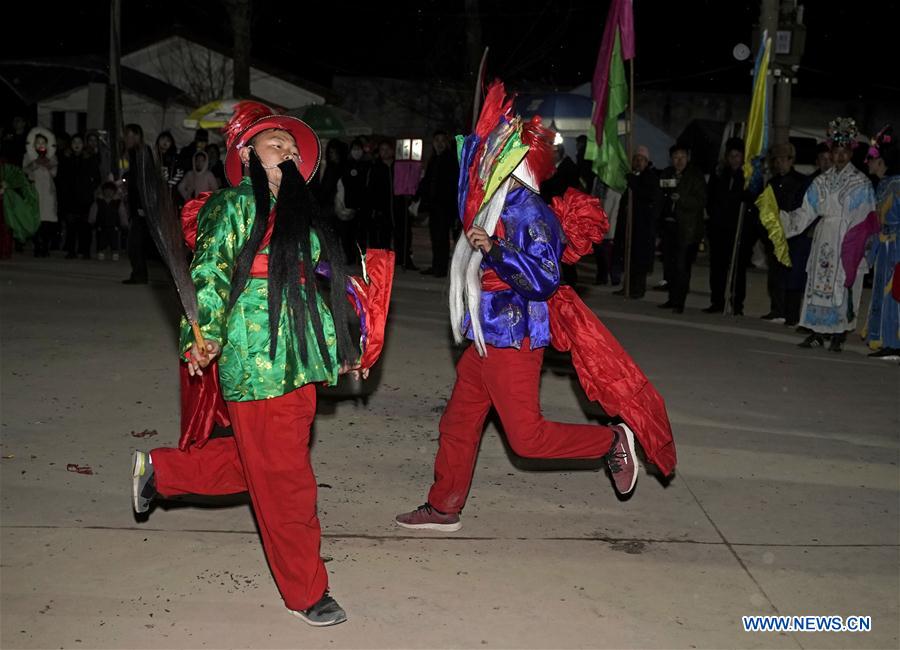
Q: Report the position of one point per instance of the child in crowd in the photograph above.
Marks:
(108, 216)
(199, 179)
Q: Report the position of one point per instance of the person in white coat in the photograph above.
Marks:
(40, 164)
(840, 202)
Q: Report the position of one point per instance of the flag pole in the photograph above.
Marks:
(728, 307)
(629, 217)
(479, 84)
(749, 129)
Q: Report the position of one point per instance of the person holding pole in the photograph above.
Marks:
(646, 199)
(725, 194)
(786, 290)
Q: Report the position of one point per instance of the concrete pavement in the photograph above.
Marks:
(785, 501)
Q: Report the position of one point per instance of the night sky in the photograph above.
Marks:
(681, 45)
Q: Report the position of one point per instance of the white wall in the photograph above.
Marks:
(75, 101)
(152, 116)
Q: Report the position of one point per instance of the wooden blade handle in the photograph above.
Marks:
(198, 338)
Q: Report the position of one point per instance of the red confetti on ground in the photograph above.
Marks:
(146, 433)
(79, 469)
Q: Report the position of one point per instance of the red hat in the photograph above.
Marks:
(252, 118)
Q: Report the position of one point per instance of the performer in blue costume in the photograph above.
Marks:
(883, 326)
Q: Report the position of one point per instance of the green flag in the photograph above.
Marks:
(610, 159)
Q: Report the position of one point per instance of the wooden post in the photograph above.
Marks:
(629, 215)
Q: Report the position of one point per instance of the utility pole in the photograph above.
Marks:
(114, 90)
(783, 19)
(789, 46)
(768, 23)
(239, 13)
(768, 17)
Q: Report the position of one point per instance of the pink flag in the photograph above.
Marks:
(407, 174)
(621, 18)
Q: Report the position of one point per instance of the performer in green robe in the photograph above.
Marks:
(246, 369)
(19, 202)
(272, 331)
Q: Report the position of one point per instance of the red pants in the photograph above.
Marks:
(269, 457)
(510, 380)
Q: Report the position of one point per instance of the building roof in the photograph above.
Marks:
(180, 31)
(38, 79)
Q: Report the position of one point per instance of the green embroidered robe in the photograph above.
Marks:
(245, 369)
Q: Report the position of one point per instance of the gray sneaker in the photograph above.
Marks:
(143, 483)
(323, 613)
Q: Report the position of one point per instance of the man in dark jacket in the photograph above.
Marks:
(725, 194)
(138, 233)
(585, 167)
(647, 198)
(787, 287)
(77, 180)
(12, 141)
(389, 222)
(684, 189)
(437, 191)
(355, 197)
(565, 176)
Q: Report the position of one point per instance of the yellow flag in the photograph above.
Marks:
(769, 215)
(757, 140)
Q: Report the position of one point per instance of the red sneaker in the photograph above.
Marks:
(622, 461)
(427, 518)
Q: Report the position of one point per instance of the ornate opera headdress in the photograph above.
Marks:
(842, 132)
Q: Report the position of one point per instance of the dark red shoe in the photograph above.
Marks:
(622, 460)
(427, 518)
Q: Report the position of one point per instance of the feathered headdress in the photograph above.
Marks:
(501, 146)
(884, 139)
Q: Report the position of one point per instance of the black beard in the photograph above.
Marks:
(295, 216)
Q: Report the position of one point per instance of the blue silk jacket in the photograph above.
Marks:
(527, 258)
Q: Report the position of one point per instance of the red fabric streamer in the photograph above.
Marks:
(202, 405)
(583, 220)
(375, 298)
(189, 218)
(610, 376)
